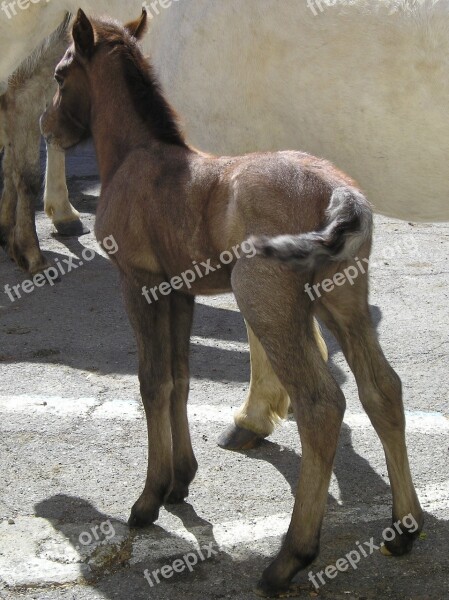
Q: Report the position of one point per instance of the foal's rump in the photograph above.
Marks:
(301, 209)
(348, 226)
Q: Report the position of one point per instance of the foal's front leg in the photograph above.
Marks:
(151, 324)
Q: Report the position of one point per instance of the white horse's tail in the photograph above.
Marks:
(348, 225)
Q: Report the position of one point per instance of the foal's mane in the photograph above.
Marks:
(143, 84)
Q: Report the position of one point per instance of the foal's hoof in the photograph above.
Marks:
(399, 546)
(140, 518)
(238, 438)
(402, 542)
(71, 228)
(266, 590)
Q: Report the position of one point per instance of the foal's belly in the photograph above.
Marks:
(195, 278)
(197, 281)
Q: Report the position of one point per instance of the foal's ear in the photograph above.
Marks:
(138, 27)
(83, 34)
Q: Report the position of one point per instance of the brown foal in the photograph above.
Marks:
(168, 207)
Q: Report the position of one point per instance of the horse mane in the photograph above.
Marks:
(143, 84)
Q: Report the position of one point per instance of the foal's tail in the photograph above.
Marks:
(348, 225)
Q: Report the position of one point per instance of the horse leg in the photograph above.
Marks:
(346, 313)
(265, 406)
(8, 203)
(151, 324)
(184, 462)
(25, 244)
(23, 168)
(56, 197)
(20, 108)
(267, 402)
(280, 314)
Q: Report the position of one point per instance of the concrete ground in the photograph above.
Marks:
(73, 439)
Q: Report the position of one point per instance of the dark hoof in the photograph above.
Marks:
(267, 590)
(71, 228)
(140, 519)
(238, 438)
(400, 545)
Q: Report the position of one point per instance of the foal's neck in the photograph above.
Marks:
(117, 127)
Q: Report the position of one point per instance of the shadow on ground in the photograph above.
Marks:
(225, 576)
(86, 306)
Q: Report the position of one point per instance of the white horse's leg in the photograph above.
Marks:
(267, 402)
(56, 197)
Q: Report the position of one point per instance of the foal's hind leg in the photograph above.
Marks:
(267, 402)
(184, 462)
(272, 299)
(346, 312)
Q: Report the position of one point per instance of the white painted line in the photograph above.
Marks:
(125, 410)
(131, 409)
(37, 572)
(221, 344)
(42, 405)
(416, 421)
(174, 540)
